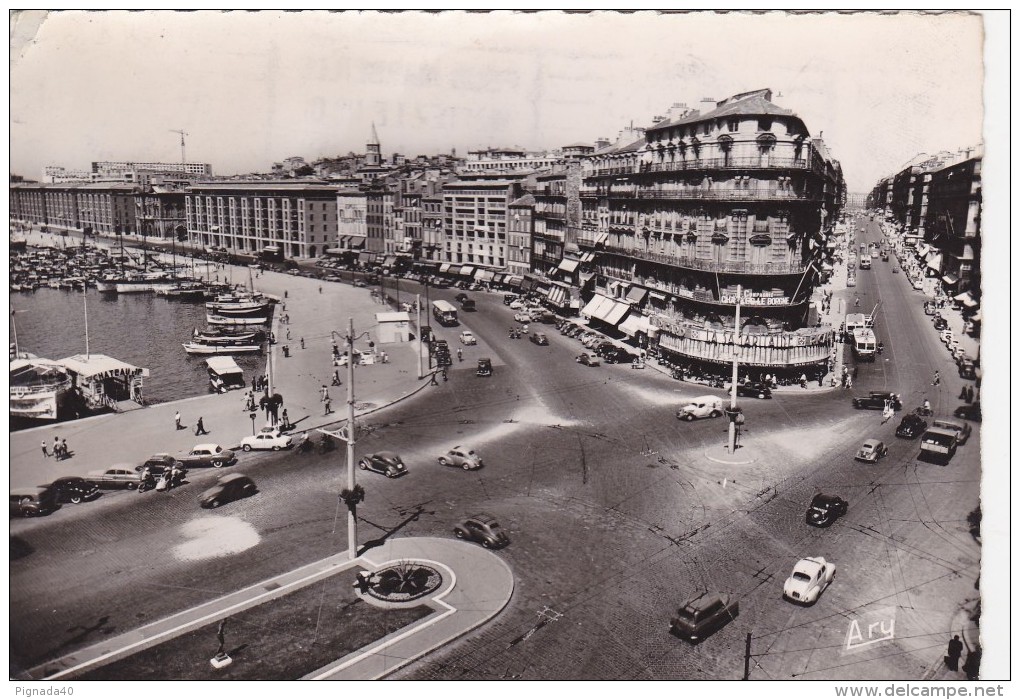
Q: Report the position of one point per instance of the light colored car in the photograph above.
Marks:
(701, 407)
(809, 579)
(468, 338)
(961, 429)
(946, 336)
(206, 455)
(518, 304)
(265, 441)
(522, 317)
(388, 464)
(463, 457)
(917, 284)
(589, 360)
(871, 451)
(119, 476)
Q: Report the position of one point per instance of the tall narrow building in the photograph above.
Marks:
(373, 150)
(733, 196)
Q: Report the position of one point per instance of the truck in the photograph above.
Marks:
(939, 444)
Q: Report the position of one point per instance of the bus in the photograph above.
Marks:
(444, 312)
(865, 345)
(865, 262)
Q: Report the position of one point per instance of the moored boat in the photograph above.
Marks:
(207, 349)
(218, 320)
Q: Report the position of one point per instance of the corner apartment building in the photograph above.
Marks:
(352, 226)
(735, 195)
(299, 219)
(953, 225)
(94, 207)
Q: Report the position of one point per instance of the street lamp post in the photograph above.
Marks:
(736, 373)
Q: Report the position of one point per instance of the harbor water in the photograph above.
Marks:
(144, 330)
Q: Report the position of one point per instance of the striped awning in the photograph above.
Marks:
(467, 270)
(556, 295)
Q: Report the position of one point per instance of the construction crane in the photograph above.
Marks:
(183, 133)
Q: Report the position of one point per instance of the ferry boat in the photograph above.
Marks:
(39, 389)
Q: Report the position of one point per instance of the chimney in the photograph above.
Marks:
(601, 142)
(707, 105)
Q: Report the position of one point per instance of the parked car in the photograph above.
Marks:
(539, 339)
(824, 510)
(810, 578)
(941, 324)
(468, 338)
(754, 390)
(207, 455)
(703, 614)
(119, 476)
(463, 457)
(588, 360)
(73, 489)
(265, 441)
(388, 464)
(911, 426)
(517, 304)
(522, 317)
(32, 501)
(603, 347)
(701, 407)
(484, 367)
(875, 400)
(871, 451)
(159, 462)
(509, 299)
(961, 429)
(970, 411)
(231, 487)
(618, 356)
(484, 529)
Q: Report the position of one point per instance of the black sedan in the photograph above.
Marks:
(484, 529)
(539, 339)
(74, 489)
(388, 464)
(876, 400)
(754, 390)
(911, 426)
(824, 510)
(228, 488)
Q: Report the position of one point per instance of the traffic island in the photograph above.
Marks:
(744, 454)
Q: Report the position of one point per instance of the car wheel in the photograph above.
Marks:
(761, 396)
(76, 499)
(485, 543)
(215, 503)
(714, 414)
(689, 417)
(132, 486)
(442, 460)
(362, 465)
(466, 466)
(276, 448)
(246, 448)
(459, 534)
(217, 463)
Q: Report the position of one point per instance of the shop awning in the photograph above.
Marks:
(657, 295)
(445, 267)
(935, 262)
(966, 299)
(593, 307)
(631, 325)
(390, 261)
(923, 249)
(498, 277)
(587, 256)
(968, 252)
(483, 275)
(365, 257)
(556, 295)
(637, 294)
(586, 277)
(615, 315)
(568, 265)
(467, 271)
(950, 279)
(514, 281)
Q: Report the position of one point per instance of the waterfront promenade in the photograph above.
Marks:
(102, 441)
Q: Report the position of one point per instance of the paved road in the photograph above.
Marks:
(614, 512)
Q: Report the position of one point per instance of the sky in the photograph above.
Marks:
(253, 88)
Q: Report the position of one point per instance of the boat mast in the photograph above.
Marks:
(85, 304)
(14, 325)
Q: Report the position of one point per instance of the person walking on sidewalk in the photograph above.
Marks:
(954, 653)
(324, 392)
(302, 342)
(328, 404)
(336, 377)
(200, 427)
(45, 450)
(177, 421)
(937, 379)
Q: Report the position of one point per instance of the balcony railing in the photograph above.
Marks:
(690, 263)
(729, 194)
(744, 163)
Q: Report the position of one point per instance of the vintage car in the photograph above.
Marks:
(588, 360)
(388, 464)
(484, 529)
(810, 577)
(484, 367)
(231, 487)
(539, 339)
(73, 489)
(206, 455)
(824, 510)
(703, 614)
(911, 426)
(701, 407)
(871, 451)
(265, 441)
(754, 390)
(468, 338)
(876, 400)
(119, 476)
(463, 457)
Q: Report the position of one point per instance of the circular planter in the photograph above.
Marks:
(403, 582)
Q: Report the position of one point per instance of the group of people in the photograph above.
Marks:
(260, 383)
(172, 476)
(60, 450)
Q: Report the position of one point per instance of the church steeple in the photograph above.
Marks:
(373, 151)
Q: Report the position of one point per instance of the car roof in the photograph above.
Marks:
(387, 455)
(871, 442)
(809, 565)
(207, 446)
(232, 477)
(702, 601)
(29, 490)
(823, 498)
(949, 424)
(483, 518)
